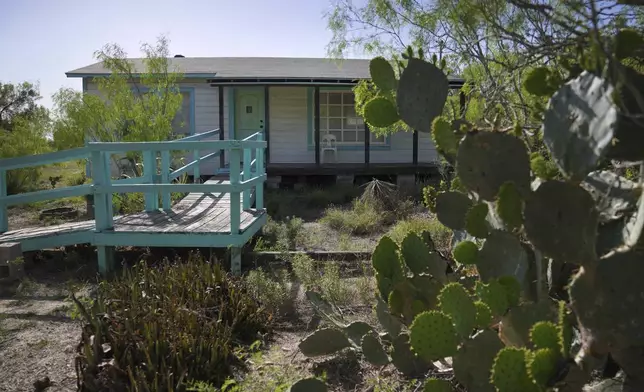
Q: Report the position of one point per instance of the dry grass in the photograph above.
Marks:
(441, 235)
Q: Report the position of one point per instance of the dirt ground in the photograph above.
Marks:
(38, 337)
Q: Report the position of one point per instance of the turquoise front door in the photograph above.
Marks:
(249, 111)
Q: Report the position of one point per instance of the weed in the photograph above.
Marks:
(305, 270)
(365, 285)
(362, 218)
(282, 235)
(270, 290)
(333, 287)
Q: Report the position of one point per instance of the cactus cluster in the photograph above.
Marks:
(514, 216)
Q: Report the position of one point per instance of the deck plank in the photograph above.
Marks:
(198, 213)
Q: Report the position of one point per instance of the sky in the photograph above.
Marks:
(40, 40)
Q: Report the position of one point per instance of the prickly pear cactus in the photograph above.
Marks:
(452, 209)
(509, 206)
(458, 305)
(487, 160)
(422, 92)
(483, 314)
(373, 351)
(474, 359)
(444, 137)
(436, 385)
(382, 74)
(324, 341)
(509, 372)
(476, 220)
(308, 385)
(544, 334)
(542, 365)
(466, 252)
(433, 336)
(381, 112)
(419, 259)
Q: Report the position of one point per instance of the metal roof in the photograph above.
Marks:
(265, 68)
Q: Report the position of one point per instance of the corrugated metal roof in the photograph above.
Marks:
(251, 67)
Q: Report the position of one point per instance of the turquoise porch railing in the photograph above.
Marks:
(155, 180)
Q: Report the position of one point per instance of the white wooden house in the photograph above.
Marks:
(301, 105)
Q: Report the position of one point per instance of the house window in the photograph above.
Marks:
(338, 117)
(182, 123)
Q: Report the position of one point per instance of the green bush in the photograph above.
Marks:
(440, 234)
(272, 291)
(362, 218)
(160, 327)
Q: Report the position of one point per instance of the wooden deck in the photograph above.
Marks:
(197, 213)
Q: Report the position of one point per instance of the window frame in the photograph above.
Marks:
(341, 145)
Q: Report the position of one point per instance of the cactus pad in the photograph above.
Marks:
(509, 371)
(382, 74)
(436, 385)
(385, 285)
(466, 252)
(628, 133)
(618, 320)
(536, 82)
(502, 255)
(579, 124)
(493, 294)
(356, 330)
(615, 195)
(542, 366)
(324, 341)
(373, 351)
(404, 359)
(426, 235)
(627, 42)
(476, 222)
(452, 208)
(509, 206)
(385, 259)
(390, 323)
(416, 254)
(483, 314)
(561, 221)
(487, 160)
(544, 334)
(380, 112)
(444, 137)
(427, 289)
(512, 289)
(564, 330)
(456, 303)
(308, 385)
(516, 324)
(422, 93)
(418, 307)
(474, 359)
(432, 336)
(396, 302)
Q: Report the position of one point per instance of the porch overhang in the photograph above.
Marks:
(454, 83)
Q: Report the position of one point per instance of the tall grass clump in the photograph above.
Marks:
(160, 327)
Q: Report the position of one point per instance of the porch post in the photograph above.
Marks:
(367, 142)
(316, 123)
(267, 117)
(415, 149)
(222, 159)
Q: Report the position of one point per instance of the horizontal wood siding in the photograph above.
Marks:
(288, 125)
(206, 116)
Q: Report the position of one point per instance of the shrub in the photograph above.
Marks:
(304, 269)
(272, 291)
(166, 326)
(362, 218)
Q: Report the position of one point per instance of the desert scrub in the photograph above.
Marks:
(362, 218)
(270, 289)
(282, 235)
(166, 325)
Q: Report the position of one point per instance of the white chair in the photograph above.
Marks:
(328, 143)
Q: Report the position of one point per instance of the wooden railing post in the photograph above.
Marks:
(196, 176)
(259, 170)
(103, 207)
(235, 212)
(247, 167)
(4, 217)
(149, 173)
(165, 179)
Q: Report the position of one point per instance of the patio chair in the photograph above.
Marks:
(328, 143)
